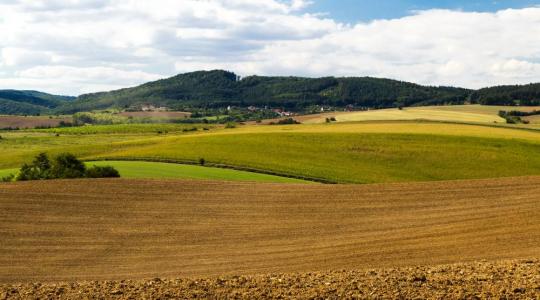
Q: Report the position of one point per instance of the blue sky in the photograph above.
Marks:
(81, 46)
(353, 11)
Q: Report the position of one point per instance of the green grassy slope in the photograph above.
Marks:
(156, 170)
(355, 153)
(141, 169)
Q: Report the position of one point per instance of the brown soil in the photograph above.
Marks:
(157, 114)
(499, 280)
(135, 229)
(30, 122)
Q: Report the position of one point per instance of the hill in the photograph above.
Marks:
(508, 95)
(221, 88)
(15, 102)
(388, 151)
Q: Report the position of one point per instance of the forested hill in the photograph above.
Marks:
(222, 88)
(29, 102)
(508, 95)
(218, 88)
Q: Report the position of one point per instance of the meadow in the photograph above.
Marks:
(157, 170)
(148, 170)
(343, 152)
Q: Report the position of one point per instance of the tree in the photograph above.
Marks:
(66, 165)
(42, 166)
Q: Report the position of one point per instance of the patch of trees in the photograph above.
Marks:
(63, 166)
(288, 121)
(514, 116)
(508, 95)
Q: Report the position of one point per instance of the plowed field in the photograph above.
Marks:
(136, 229)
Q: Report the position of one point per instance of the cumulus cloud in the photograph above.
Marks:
(78, 46)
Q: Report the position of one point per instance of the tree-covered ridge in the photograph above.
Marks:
(29, 102)
(221, 88)
(508, 95)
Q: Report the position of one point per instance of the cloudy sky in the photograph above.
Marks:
(79, 46)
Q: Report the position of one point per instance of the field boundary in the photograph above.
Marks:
(215, 165)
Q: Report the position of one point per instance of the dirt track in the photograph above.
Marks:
(136, 229)
(500, 280)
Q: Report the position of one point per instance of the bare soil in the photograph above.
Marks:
(482, 280)
(30, 121)
(135, 229)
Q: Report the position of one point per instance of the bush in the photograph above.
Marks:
(102, 172)
(64, 166)
(286, 122)
(8, 178)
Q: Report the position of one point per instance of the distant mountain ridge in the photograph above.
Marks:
(30, 102)
(218, 88)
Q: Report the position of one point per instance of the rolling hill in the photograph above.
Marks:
(508, 95)
(15, 102)
(221, 88)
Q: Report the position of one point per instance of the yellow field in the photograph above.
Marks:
(535, 120)
(456, 113)
(393, 127)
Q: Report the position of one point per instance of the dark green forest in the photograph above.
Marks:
(219, 89)
(508, 95)
(16, 102)
(214, 89)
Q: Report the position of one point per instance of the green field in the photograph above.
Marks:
(341, 152)
(126, 129)
(156, 170)
(141, 169)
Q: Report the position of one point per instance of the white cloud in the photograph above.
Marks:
(77, 46)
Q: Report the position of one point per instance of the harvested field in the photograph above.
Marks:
(499, 280)
(30, 122)
(135, 229)
(156, 114)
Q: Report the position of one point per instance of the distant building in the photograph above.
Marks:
(150, 107)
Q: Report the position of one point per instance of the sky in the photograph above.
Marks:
(72, 47)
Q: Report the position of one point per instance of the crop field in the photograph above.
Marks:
(30, 121)
(137, 229)
(345, 153)
(535, 120)
(455, 113)
(509, 279)
(156, 170)
(126, 129)
(153, 170)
